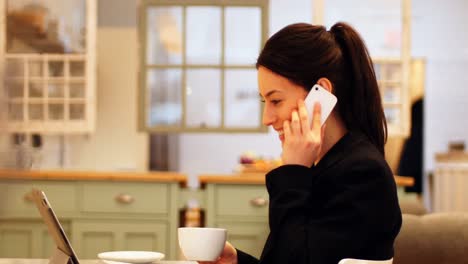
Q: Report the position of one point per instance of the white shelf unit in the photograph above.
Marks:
(394, 93)
(50, 93)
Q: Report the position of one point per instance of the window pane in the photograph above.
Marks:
(36, 89)
(391, 94)
(203, 35)
(53, 26)
(165, 100)
(77, 68)
(392, 115)
(56, 111)
(14, 68)
(15, 111)
(56, 68)
(242, 34)
(55, 90)
(203, 98)
(391, 72)
(36, 112)
(36, 68)
(164, 35)
(77, 90)
(77, 111)
(378, 22)
(241, 99)
(15, 89)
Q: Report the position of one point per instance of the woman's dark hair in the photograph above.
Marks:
(304, 53)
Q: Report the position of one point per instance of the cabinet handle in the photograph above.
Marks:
(259, 202)
(124, 198)
(28, 197)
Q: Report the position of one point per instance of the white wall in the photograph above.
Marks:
(439, 34)
(116, 144)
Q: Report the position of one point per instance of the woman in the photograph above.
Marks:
(335, 196)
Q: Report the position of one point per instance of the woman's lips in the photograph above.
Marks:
(281, 135)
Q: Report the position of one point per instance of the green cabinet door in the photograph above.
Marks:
(26, 239)
(249, 237)
(93, 236)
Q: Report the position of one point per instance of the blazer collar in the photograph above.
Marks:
(340, 150)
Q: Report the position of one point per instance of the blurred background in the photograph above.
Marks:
(101, 102)
(138, 86)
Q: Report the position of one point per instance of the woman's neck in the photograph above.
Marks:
(335, 129)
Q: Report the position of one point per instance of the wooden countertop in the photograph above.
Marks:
(93, 176)
(259, 178)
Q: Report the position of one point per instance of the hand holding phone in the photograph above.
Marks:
(326, 99)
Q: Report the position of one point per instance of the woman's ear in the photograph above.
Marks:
(325, 83)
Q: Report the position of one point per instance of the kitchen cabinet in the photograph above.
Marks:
(26, 238)
(99, 211)
(239, 204)
(449, 181)
(90, 237)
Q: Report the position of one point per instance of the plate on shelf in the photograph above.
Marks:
(131, 256)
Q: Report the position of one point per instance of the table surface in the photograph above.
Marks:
(86, 261)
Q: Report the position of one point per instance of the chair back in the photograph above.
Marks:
(363, 261)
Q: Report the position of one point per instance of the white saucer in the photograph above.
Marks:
(131, 256)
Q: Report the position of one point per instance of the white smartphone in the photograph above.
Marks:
(326, 99)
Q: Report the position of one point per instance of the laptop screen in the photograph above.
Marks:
(53, 225)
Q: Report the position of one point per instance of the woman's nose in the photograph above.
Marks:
(268, 117)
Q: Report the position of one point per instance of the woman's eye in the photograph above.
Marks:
(275, 102)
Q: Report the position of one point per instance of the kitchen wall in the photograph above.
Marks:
(116, 143)
(440, 36)
(437, 35)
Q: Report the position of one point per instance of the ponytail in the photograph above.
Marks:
(361, 108)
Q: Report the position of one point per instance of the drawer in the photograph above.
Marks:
(241, 200)
(16, 200)
(125, 197)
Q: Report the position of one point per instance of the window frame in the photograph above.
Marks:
(143, 103)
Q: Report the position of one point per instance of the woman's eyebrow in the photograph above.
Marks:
(270, 93)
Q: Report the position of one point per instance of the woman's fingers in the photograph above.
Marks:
(286, 129)
(316, 120)
(303, 116)
(295, 123)
(322, 135)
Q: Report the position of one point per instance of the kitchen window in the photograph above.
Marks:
(197, 65)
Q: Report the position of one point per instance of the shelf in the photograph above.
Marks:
(389, 83)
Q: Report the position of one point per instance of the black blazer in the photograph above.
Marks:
(345, 207)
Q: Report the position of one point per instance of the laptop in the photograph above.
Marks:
(54, 227)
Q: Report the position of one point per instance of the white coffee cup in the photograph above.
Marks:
(202, 243)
